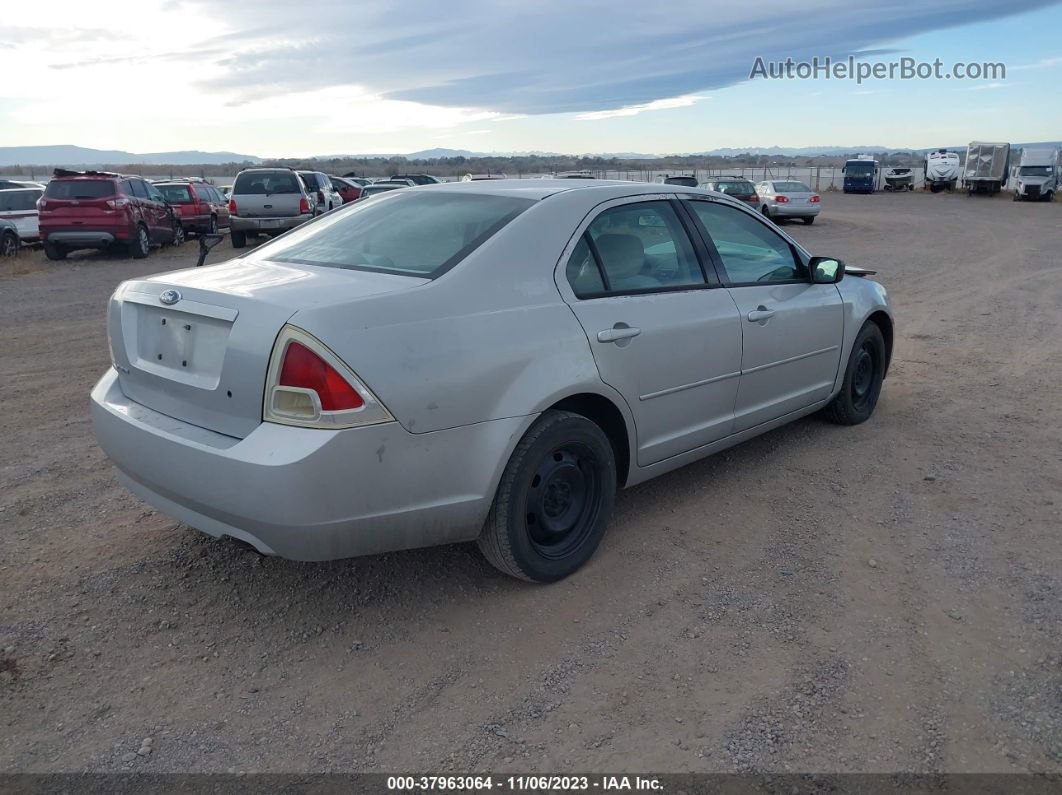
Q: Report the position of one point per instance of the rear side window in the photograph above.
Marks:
(18, 200)
(637, 247)
(265, 182)
(80, 189)
(175, 194)
(414, 234)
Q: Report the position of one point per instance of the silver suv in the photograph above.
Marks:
(268, 201)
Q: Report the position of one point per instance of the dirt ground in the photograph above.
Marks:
(880, 598)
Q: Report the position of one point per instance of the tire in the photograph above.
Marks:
(54, 252)
(178, 235)
(140, 245)
(212, 229)
(239, 239)
(765, 212)
(1049, 196)
(808, 220)
(9, 244)
(861, 386)
(554, 500)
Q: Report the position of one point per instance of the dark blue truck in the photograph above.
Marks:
(860, 175)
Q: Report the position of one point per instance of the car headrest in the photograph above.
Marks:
(622, 255)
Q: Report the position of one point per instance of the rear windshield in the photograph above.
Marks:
(368, 190)
(739, 188)
(410, 233)
(689, 182)
(80, 189)
(791, 187)
(16, 200)
(175, 194)
(266, 182)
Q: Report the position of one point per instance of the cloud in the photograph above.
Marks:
(1043, 63)
(990, 86)
(634, 110)
(549, 56)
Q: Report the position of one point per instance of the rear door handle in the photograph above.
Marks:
(618, 333)
(760, 314)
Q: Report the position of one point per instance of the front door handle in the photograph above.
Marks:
(760, 314)
(618, 333)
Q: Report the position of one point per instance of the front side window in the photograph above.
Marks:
(414, 234)
(643, 246)
(749, 251)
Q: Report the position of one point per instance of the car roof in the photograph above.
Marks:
(601, 189)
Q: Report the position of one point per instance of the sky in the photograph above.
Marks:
(274, 78)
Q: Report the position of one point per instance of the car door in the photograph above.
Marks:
(663, 332)
(791, 328)
(161, 215)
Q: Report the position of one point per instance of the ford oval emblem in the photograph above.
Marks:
(169, 297)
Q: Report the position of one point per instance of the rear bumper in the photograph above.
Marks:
(308, 494)
(789, 211)
(240, 224)
(85, 238)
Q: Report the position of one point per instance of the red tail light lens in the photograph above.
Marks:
(815, 200)
(309, 386)
(304, 369)
(781, 199)
(232, 207)
(304, 206)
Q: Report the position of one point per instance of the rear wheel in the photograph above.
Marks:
(809, 219)
(53, 251)
(553, 501)
(213, 228)
(766, 212)
(8, 244)
(141, 243)
(239, 239)
(862, 379)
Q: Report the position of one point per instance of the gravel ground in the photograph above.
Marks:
(873, 599)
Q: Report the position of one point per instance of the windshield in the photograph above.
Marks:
(266, 182)
(1035, 171)
(860, 168)
(410, 233)
(80, 189)
(791, 187)
(175, 194)
(737, 187)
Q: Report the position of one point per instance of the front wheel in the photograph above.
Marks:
(862, 379)
(9, 243)
(178, 235)
(554, 500)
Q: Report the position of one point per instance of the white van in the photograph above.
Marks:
(19, 205)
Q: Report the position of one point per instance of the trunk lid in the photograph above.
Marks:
(195, 344)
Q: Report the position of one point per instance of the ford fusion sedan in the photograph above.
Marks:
(482, 361)
(786, 198)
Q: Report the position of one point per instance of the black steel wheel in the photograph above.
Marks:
(553, 501)
(862, 379)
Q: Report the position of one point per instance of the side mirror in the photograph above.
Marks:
(826, 270)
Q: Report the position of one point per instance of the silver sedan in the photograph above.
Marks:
(482, 361)
(787, 198)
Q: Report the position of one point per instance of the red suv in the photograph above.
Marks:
(350, 191)
(97, 209)
(200, 205)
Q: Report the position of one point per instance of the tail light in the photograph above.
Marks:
(304, 206)
(308, 385)
(42, 204)
(232, 207)
(117, 204)
(815, 199)
(781, 199)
